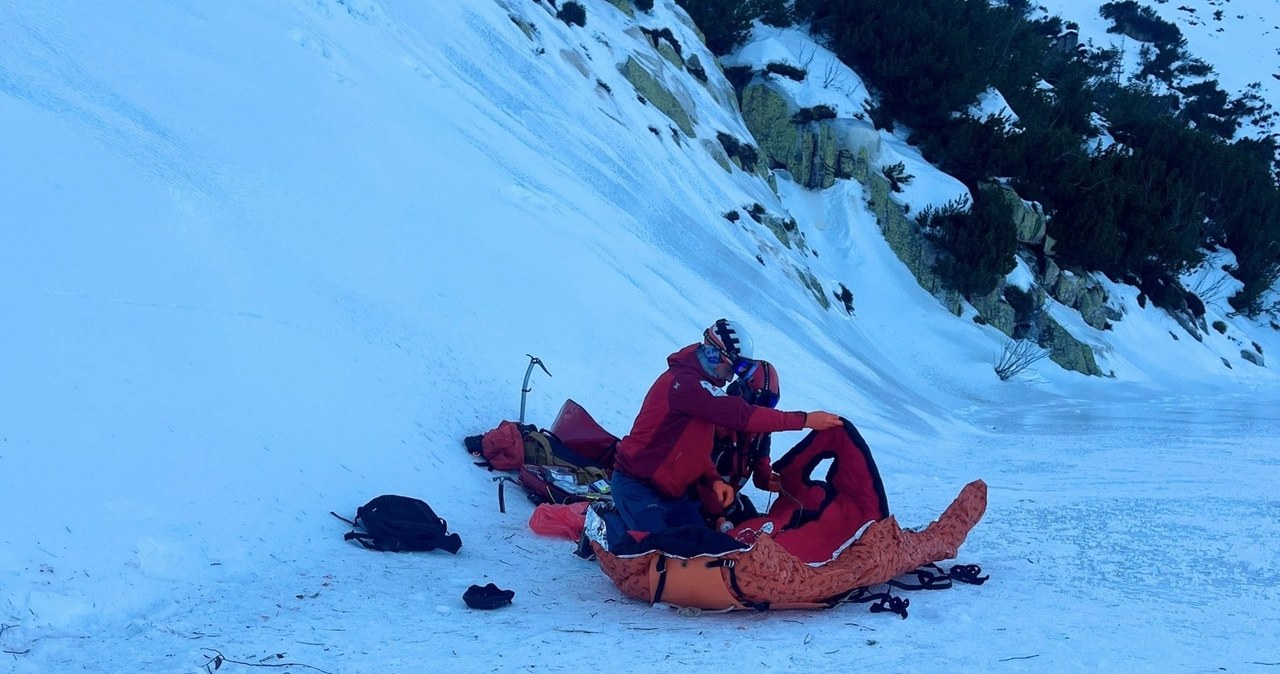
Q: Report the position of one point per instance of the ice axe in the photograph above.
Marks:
(524, 390)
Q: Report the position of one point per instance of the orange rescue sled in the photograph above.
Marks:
(822, 541)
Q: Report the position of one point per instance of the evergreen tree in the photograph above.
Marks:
(726, 24)
(976, 245)
(1141, 209)
(927, 58)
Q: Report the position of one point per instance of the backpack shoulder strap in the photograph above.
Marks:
(365, 539)
(368, 541)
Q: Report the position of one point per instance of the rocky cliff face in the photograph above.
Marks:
(817, 153)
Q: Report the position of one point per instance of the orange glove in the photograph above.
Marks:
(821, 421)
(724, 492)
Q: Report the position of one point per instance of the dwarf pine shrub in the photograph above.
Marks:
(573, 13)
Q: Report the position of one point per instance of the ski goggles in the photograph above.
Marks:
(742, 367)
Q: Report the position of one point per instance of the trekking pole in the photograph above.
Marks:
(524, 390)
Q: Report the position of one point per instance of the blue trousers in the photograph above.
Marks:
(643, 509)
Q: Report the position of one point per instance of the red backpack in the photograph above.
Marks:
(503, 447)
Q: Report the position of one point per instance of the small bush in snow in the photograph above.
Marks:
(644, 5)
(1140, 23)
(786, 70)
(656, 36)
(1220, 327)
(571, 13)
(1195, 304)
(1017, 356)
(815, 114)
(897, 176)
(748, 156)
(745, 154)
(729, 143)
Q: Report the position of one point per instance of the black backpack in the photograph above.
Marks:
(400, 524)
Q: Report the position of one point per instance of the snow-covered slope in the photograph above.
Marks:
(263, 261)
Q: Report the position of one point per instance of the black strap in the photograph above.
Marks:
(735, 588)
(363, 539)
(892, 604)
(933, 577)
(968, 574)
(928, 577)
(733, 582)
(884, 601)
(662, 578)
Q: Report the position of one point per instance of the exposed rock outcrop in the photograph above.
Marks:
(905, 239)
(812, 152)
(996, 311)
(1065, 350)
(624, 6)
(1028, 217)
(717, 153)
(1081, 292)
(718, 87)
(651, 88)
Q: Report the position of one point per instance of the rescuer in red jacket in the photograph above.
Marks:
(668, 451)
(741, 457)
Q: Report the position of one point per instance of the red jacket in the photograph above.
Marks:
(669, 445)
(740, 456)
